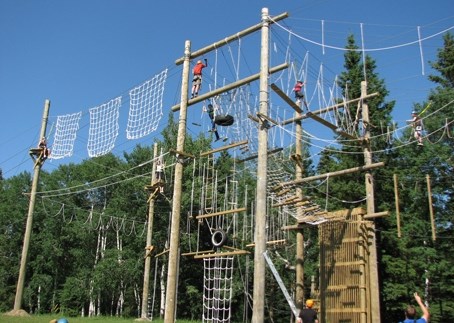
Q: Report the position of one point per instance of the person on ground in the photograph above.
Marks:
(197, 77)
(308, 314)
(410, 312)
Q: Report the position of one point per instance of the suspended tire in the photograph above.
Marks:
(218, 238)
(224, 120)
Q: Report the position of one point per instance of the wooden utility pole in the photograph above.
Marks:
(149, 247)
(374, 294)
(31, 209)
(431, 210)
(299, 292)
(174, 248)
(261, 210)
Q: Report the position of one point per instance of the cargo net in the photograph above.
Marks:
(103, 128)
(145, 110)
(217, 289)
(65, 135)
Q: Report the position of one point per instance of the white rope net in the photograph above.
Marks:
(217, 289)
(146, 107)
(65, 135)
(103, 128)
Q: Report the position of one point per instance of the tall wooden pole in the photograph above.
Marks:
(396, 198)
(299, 292)
(374, 295)
(172, 274)
(431, 210)
(31, 208)
(260, 214)
(146, 274)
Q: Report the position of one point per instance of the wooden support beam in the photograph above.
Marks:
(229, 87)
(330, 125)
(332, 174)
(260, 115)
(235, 144)
(210, 215)
(283, 192)
(231, 38)
(182, 153)
(285, 97)
(250, 116)
(376, 215)
(327, 109)
(223, 254)
(269, 243)
(196, 253)
(161, 253)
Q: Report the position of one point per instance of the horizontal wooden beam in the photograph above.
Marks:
(235, 144)
(210, 215)
(330, 125)
(376, 215)
(229, 87)
(285, 97)
(327, 109)
(331, 174)
(223, 254)
(231, 38)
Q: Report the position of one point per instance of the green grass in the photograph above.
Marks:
(46, 318)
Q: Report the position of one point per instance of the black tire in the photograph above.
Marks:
(218, 238)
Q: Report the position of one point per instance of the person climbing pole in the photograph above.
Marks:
(416, 123)
(197, 77)
(43, 146)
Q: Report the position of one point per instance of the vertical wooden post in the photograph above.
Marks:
(374, 294)
(146, 274)
(432, 218)
(299, 292)
(396, 198)
(172, 274)
(31, 209)
(261, 210)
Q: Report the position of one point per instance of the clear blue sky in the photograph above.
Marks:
(81, 54)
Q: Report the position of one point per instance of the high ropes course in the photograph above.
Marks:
(264, 130)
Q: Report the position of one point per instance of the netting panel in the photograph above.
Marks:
(217, 289)
(145, 110)
(103, 128)
(65, 135)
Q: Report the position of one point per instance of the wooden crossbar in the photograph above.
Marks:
(195, 253)
(209, 215)
(285, 97)
(235, 144)
(223, 254)
(330, 125)
(269, 243)
(261, 115)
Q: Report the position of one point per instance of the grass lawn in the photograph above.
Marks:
(46, 318)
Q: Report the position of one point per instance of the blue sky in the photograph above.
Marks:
(81, 54)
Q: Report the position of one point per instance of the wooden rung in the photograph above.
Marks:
(312, 208)
(269, 243)
(204, 252)
(285, 97)
(330, 125)
(283, 192)
(223, 254)
(235, 144)
(203, 216)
